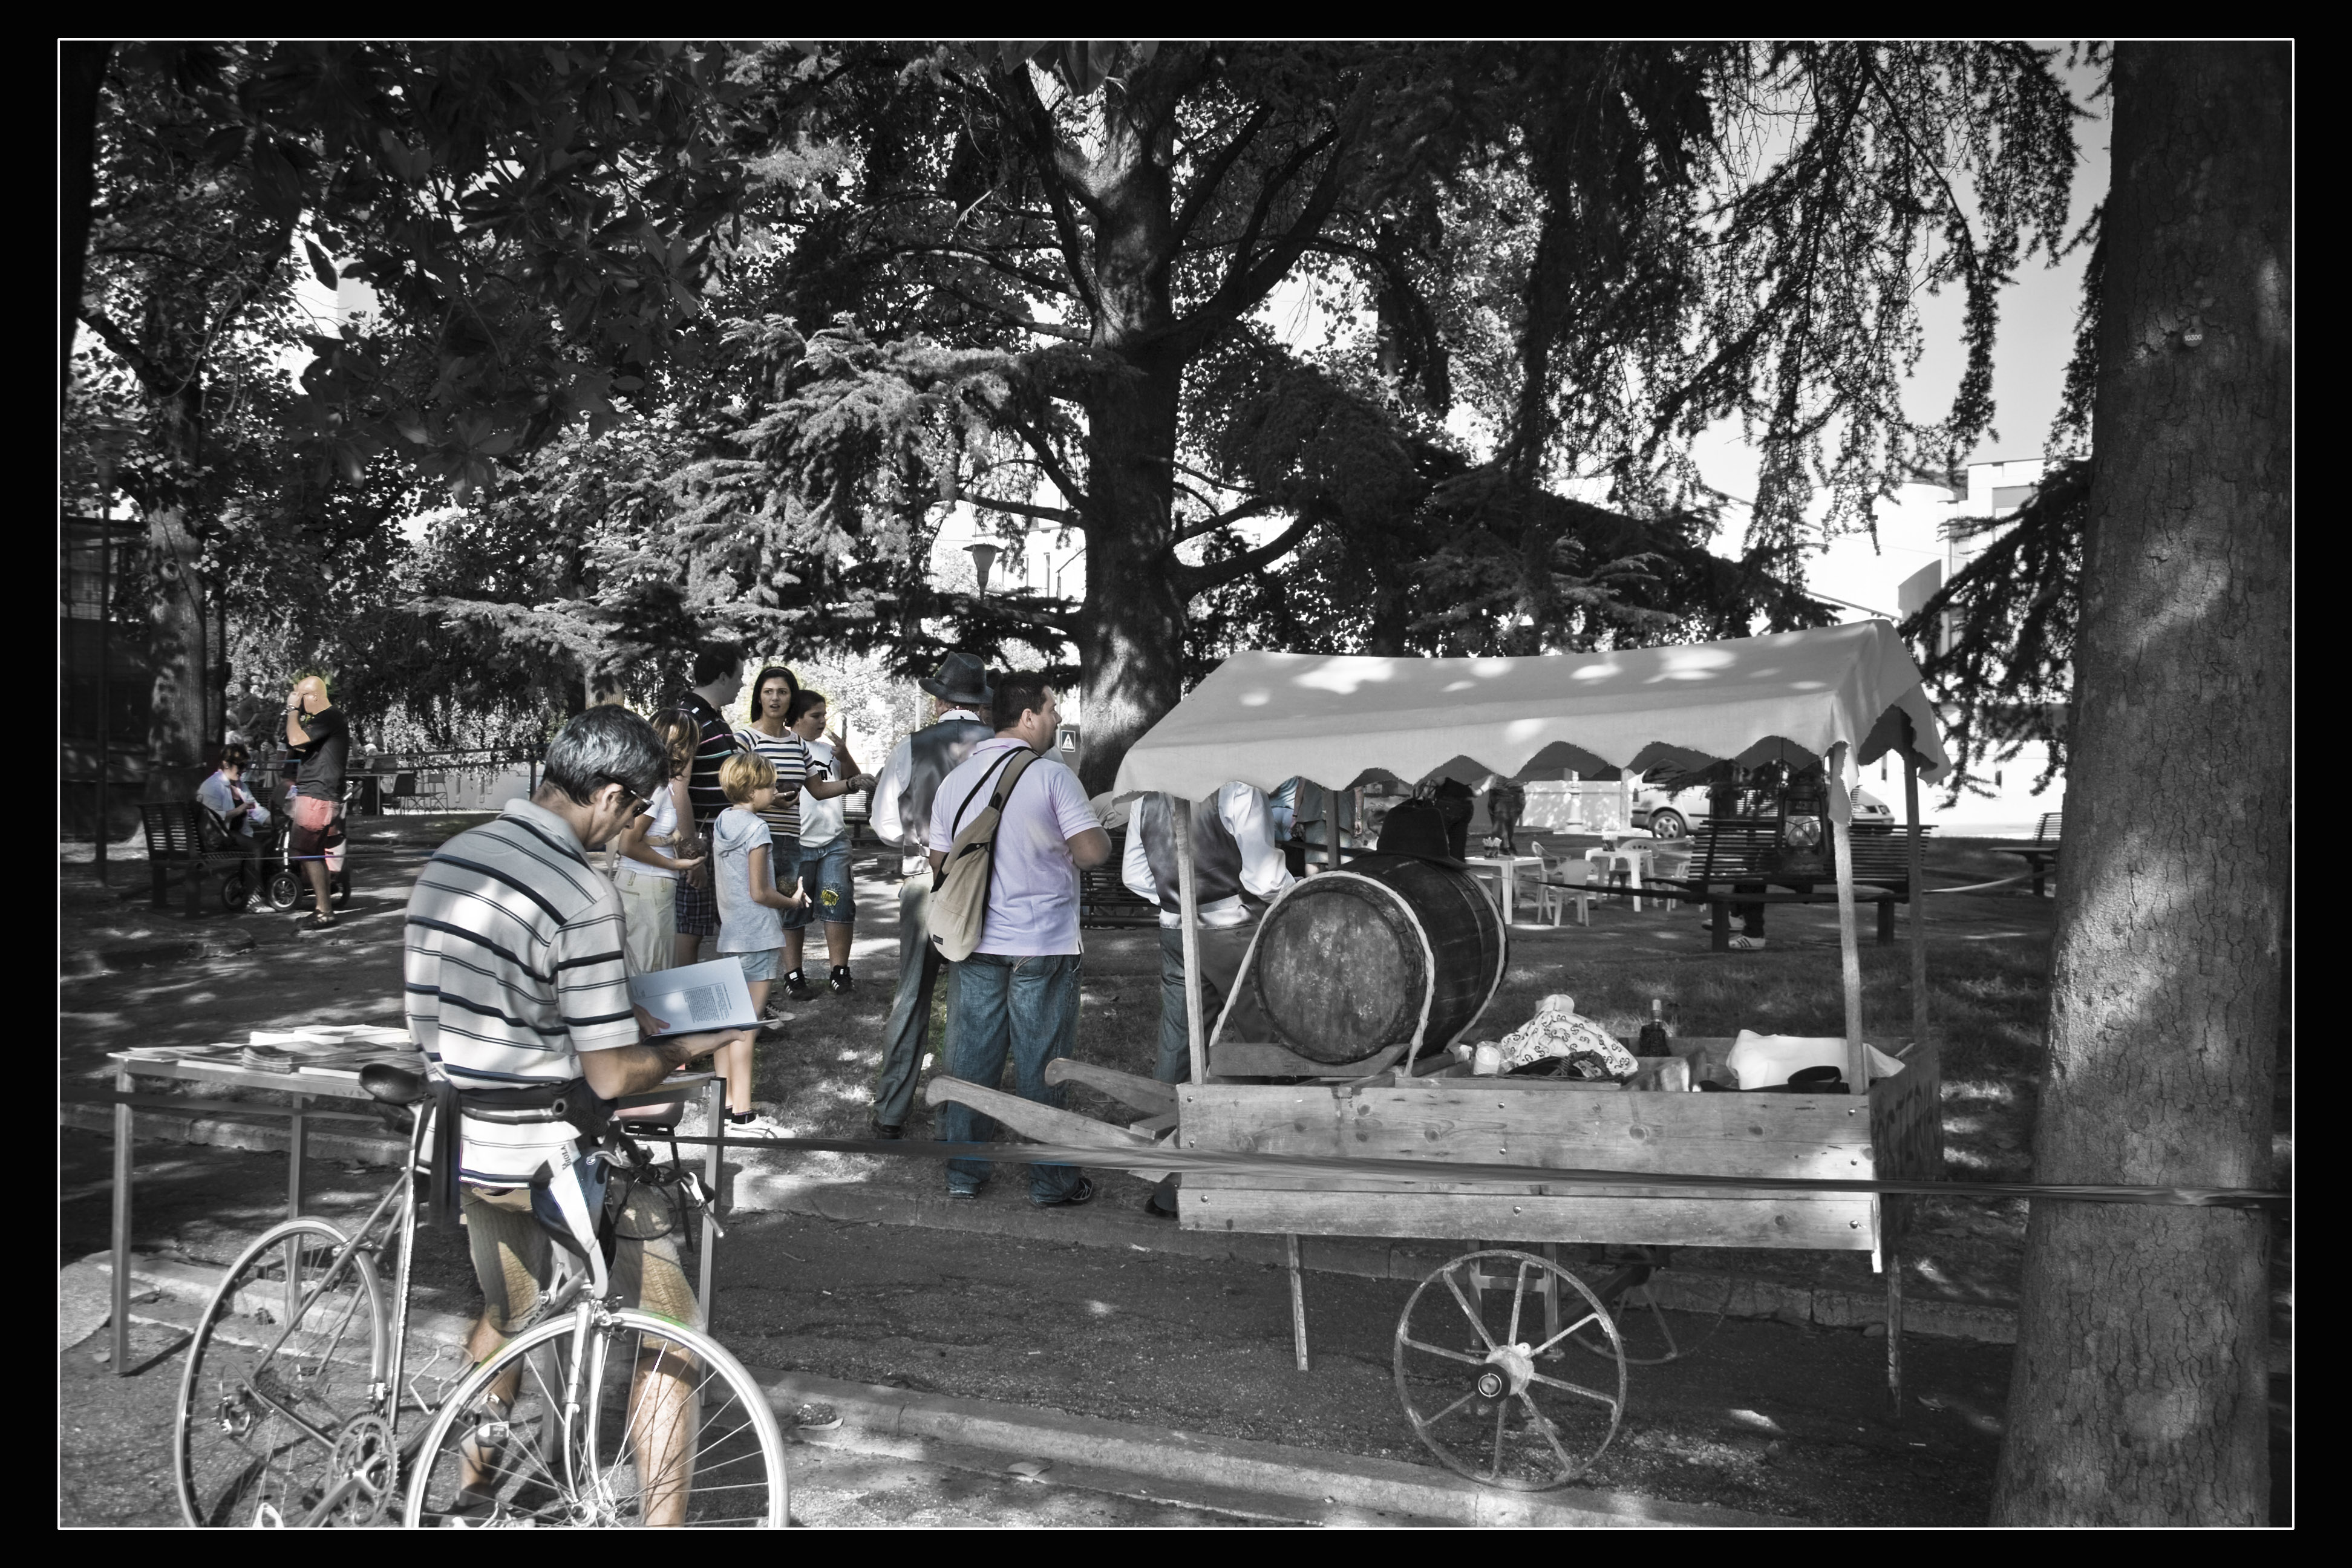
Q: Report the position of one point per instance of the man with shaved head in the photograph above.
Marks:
(316, 734)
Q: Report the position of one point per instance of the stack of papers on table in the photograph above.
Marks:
(334, 1050)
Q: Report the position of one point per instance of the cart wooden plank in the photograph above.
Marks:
(1832, 1224)
(1814, 1137)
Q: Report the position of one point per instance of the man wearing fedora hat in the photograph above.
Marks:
(903, 792)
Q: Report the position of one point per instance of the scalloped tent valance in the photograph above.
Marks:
(1338, 718)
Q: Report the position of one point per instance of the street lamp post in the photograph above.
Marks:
(983, 557)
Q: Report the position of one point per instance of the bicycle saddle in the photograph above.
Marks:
(393, 1086)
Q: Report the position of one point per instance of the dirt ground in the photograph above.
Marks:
(1765, 1416)
(1770, 1417)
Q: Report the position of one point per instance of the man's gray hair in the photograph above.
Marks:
(607, 744)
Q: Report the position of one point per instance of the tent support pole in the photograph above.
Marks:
(1849, 953)
(1918, 901)
(1332, 830)
(1180, 818)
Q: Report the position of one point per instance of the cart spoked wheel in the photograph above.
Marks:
(1650, 1332)
(284, 888)
(1480, 1380)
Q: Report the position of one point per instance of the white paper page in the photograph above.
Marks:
(699, 997)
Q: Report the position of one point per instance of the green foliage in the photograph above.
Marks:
(2009, 672)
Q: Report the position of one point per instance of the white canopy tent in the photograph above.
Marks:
(1847, 694)
(1266, 717)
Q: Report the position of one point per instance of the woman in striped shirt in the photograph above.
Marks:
(770, 735)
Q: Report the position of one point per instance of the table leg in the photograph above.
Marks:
(121, 1283)
(1297, 1304)
(714, 1109)
(1508, 874)
(1894, 1332)
(298, 1139)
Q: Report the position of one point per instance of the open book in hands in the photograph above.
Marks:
(693, 1000)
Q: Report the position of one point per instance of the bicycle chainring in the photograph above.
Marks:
(365, 1452)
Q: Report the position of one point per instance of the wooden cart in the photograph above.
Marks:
(1510, 1367)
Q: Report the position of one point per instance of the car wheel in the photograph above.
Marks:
(1668, 824)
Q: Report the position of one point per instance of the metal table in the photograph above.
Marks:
(304, 1088)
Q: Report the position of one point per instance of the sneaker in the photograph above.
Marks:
(875, 1129)
(1744, 943)
(838, 981)
(962, 1192)
(1082, 1191)
(796, 986)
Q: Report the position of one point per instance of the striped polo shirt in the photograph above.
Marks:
(795, 766)
(715, 744)
(515, 967)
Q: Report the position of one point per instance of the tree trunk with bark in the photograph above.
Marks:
(2140, 1384)
(81, 76)
(1131, 625)
(179, 725)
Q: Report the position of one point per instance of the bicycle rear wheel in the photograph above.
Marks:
(283, 1370)
(565, 1451)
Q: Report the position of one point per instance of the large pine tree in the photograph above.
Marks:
(2141, 1389)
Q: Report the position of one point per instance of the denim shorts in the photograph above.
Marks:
(828, 873)
(759, 965)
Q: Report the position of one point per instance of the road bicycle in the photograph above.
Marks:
(298, 1406)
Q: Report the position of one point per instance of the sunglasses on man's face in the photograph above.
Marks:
(637, 803)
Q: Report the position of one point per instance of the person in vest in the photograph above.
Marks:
(1234, 852)
(901, 818)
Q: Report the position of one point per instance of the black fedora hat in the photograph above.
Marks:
(1417, 829)
(961, 679)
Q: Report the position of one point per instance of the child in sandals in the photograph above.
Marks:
(749, 909)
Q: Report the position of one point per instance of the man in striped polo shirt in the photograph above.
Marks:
(717, 677)
(515, 978)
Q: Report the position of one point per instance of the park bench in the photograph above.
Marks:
(2042, 855)
(186, 840)
(1105, 902)
(1731, 864)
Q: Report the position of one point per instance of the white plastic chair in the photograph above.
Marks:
(1566, 879)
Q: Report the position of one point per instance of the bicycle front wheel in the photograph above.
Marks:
(603, 1418)
(283, 1372)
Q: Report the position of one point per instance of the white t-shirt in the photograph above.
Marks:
(1033, 895)
(663, 811)
(822, 821)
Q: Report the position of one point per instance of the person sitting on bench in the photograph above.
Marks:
(225, 795)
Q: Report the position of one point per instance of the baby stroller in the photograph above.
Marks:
(280, 879)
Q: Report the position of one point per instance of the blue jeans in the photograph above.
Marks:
(825, 869)
(1028, 1005)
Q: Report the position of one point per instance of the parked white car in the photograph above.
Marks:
(1672, 814)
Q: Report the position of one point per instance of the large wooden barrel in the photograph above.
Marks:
(1349, 962)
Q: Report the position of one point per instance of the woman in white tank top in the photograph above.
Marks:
(646, 875)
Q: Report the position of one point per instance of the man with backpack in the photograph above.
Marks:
(1016, 932)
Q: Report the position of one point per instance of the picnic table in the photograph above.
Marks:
(1737, 864)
